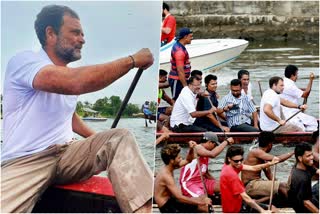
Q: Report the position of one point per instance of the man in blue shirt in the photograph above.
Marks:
(239, 109)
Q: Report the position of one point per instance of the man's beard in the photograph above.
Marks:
(67, 54)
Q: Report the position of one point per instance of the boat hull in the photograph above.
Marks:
(94, 195)
(241, 137)
(207, 54)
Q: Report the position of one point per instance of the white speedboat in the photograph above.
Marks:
(206, 54)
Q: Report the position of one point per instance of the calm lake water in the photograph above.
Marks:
(264, 60)
(145, 136)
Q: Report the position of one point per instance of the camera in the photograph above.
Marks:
(235, 107)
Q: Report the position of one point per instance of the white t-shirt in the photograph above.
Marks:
(32, 120)
(291, 92)
(272, 98)
(184, 105)
(249, 92)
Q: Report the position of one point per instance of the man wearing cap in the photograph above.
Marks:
(180, 64)
(190, 178)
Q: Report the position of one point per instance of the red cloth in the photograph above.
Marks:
(231, 187)
(169, 22)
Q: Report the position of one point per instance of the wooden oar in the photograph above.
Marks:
(272, 185)
(255, 141)
(260, 89)
(127, 97)
(210, 208)
(286, 120)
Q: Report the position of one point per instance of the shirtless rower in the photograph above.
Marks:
(166, 193)
(255, 185)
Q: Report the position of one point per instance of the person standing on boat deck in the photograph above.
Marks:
(239, 109)
(231, 187)
(40, 95)
(184, 110)
(190, 178)
(210, 122)
(299, 182)
(180, 63)
(168, 29)
(270, 109)
(166, 193)
(244, 77)
(255, 185)
(292, 93)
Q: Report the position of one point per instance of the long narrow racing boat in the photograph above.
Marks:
(206, 54)
(241, 137)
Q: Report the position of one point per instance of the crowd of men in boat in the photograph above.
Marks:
(193, 110)
(251, 193)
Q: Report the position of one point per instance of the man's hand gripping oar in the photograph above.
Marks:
(210, 207)
(255, 141)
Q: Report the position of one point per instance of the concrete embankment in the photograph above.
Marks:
(252, 20)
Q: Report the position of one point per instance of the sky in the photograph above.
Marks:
(112, 29)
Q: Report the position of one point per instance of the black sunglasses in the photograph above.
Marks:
(237, 161)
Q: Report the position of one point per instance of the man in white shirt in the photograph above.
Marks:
(270, 108)
(292, 93)
(39, 102)
(244, 77)
(184, 110)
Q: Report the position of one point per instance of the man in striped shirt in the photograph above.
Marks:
(239, 109)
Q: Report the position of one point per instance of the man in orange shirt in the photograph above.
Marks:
(168, 29)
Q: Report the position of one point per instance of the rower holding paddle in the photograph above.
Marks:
(190, 175)
(270, 109)
(231, 187)
(39, 102)
(166, 193)
(256, 186)
(292, 93)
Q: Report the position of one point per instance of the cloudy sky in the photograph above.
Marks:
(112, 29)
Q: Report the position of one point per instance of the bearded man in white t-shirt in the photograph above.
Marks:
(292, 93)
(39, 102)
(270, 108)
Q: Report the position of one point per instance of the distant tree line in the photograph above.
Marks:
(108, 107)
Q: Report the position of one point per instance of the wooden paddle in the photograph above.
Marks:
(210, 208)
(260, 89)
(255, 141)
(127, 97)
(272, 186)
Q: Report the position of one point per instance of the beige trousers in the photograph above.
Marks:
(24, 179)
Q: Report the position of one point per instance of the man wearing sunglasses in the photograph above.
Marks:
(231, 187)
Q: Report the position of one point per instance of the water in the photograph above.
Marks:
(145, 136)
(264, 60)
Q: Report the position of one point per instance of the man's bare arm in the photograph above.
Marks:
(75, 81)
(181, 75)
(309, 86)
(310, 206)
(79, 127)
(175, 191)
(251, 202)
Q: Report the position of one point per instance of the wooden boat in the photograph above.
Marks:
(95, 119)
(241, 137)
(206, 54)
(94, 195)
